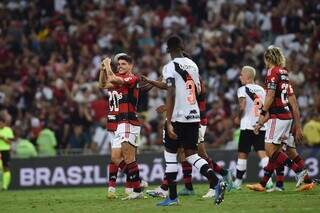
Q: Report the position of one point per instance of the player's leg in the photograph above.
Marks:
(113, 171)
(279, 179)
(170, 156)
(276, 133)
(128, 134)
(294, 155)
(187, 174)
(6, 177)
(189, 133)
(216, 168)
(259, 147)
(244, 148)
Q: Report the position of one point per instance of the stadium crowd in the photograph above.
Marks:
(50, 53)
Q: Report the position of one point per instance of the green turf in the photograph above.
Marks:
(94, 200)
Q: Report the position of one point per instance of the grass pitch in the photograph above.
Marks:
(94, 200)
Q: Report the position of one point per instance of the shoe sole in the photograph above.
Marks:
(300, 180)
(220, 198)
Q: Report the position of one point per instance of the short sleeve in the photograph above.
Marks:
(168, 71)
(272, 79)
(241, 92)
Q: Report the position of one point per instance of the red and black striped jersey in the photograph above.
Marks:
(202, 105)
(128, 95)
(277, 79)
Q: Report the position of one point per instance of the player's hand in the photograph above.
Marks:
(106, 62)
(257, 128)
(258, 125)
(298, 134)
(161, 109)
(171, 132)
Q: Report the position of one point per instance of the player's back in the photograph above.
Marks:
(112, 109)
(278, 80)
(254, 96)
(186, 75)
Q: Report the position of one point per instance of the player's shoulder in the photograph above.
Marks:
(242, 88)
(168, 68)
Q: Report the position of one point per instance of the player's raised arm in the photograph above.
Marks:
(103, 80)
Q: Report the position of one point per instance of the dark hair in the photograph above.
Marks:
(127, 58)
(174, 43)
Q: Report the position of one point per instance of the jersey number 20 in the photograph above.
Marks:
(114, 101)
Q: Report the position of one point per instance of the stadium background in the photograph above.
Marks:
(50, 53)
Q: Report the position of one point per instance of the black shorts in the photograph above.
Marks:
(248, 139)
(187, 133)
(5, 157)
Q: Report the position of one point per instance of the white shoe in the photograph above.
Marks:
(144, 184)
(128, 191)
(278, 189)
(210, 194)
(237, 184)
(300, 177)
(134, 195)
(111, 193)
(158, 192)
(269, 184)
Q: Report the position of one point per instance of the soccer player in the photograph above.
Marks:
(183, 116)
(275, 111)
(251, 97)
(162, 190)
(290, 148)
(116, 155)
(6, 138)
(128, 129)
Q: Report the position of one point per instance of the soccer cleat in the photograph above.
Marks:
(256, 187)
(144, 184)
(169, 202)
(186, 192)
(269, 185)
(128, 191)
(300, 177)
(237, 184)
(219, 192)
(210, 194)
(278, 189)
(158, 192)
(228, 180)
(133, 196)
(307, 187)
(111, 193)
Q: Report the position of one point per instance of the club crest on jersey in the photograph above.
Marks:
(127, 79)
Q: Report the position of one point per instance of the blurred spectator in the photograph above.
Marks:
(46, 142)
(101, 140)
(50, 53)
(79, 139)
(25, 149)
(311, 131)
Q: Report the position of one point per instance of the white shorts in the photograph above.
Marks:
(114, 144)
(126, 133)
(202, 132)
(278, 131)
(291, 142)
